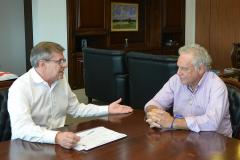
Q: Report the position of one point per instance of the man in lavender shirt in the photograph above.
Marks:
(198, 96)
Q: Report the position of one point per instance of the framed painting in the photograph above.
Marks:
(124, 16)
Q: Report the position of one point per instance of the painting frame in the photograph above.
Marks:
(124, 16)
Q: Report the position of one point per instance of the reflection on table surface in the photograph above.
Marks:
(142, 143)
(206, 144)
(31, 151)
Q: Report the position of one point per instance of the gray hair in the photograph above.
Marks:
(200, 55)
(43, 51)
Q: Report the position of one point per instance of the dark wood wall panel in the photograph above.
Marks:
(90, 21)
(172, 10)
(71, 42)
(91, 16)
(221, 30)
(154, 23)
(203, 23)
(28, 31)
(173, 25)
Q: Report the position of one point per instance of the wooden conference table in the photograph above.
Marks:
(142, 143)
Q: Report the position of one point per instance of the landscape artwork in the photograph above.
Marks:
(124, 16)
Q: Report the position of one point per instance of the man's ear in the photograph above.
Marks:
(41, 63)
(202, 69)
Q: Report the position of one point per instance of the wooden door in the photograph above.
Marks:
(173, 25)
(217, 27)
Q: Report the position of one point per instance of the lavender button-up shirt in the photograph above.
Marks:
(204, 109)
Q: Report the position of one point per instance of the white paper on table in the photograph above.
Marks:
(95, 137)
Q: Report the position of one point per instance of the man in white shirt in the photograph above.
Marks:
(39, 100)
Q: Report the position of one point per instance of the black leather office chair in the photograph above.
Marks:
(105, 74)
(234, 108)
(147, 74)
(5, 128)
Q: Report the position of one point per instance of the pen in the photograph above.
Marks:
(88, 133)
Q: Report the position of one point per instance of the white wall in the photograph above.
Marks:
(50, 22)
(12, 37)
(190, 21)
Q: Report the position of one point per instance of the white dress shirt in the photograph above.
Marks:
(35, 108)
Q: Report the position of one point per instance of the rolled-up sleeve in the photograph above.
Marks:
(77, 109)
(164, 98)
(217, 108)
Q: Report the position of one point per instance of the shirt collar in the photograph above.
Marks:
(38, 79)
(200, 83)
(35, 76)
(202, 80)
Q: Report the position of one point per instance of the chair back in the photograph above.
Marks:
(234, 107)
(105, 74)
(5, 128)
(147, 74)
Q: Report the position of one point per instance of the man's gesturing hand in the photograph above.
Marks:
(116, 108)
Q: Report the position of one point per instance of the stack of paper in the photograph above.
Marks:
(95, 137)
(7, 76)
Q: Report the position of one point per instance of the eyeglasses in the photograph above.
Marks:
(60, 62)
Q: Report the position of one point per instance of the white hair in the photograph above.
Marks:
(200, 55)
